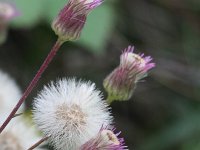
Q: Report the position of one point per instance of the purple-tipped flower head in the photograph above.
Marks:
(106, 139)
(7, 12)
(71, 19)
(121, 83)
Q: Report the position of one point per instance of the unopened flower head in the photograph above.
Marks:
(19, 135)
(9, 94)
(106, 139)
(121, 83)
(70, 112)
(71, 19)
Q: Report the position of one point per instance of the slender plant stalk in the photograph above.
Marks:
(38, 143)
(33, 83)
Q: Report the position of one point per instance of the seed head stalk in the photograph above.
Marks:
(38, 143)
(33, 83)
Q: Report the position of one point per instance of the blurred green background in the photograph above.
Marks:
(164, 113)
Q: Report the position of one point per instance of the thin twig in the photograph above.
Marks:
(38, 143)
(16, 115)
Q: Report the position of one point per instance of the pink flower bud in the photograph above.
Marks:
(121, 83)
(106, 139)
(71, 19)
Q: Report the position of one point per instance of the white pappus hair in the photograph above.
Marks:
(70, 112)
(9, 95)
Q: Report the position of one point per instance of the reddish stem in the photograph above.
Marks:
(38, 143)
(33, 83)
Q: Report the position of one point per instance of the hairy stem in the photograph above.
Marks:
(38, 143)
(33, 83)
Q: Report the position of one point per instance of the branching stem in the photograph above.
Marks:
(38, 143)
(33, 83)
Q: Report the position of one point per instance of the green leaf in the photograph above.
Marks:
(52, 8)
(97, 29)
(31, 12)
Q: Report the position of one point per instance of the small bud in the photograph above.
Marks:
(7, 13)
(106, 139)
(71, 19)
(121, 83)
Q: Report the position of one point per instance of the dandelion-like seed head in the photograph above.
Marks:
(8, 100)
(70, 112)
(19, 135)
(9, 141)
(106, 139)
(120, 84)
(71, 19)
(72, 115)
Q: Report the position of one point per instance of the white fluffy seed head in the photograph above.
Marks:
(18, 135)
(9, 95)
(70, 112)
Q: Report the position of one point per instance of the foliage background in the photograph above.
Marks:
(164, 112)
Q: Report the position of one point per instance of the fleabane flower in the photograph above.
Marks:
(71, 19)
(70, 113)
(106, 139)
(7, 13)
(18, 135)
(9, 94)
(121, 83)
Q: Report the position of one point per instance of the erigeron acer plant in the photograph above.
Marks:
(72, 113)
(65, 23)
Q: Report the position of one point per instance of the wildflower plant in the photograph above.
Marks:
(72, 114)
(87, 6)
(19, 134)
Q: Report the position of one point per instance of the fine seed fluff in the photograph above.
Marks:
(70, 112)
